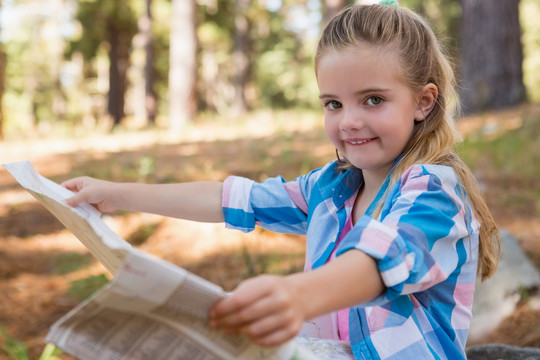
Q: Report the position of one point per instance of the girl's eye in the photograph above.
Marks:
(333, 105)
(374, 101)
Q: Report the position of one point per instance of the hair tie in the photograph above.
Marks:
(392, 3)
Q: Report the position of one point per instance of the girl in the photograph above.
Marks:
(396, 227)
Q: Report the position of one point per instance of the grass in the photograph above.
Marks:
(83, 288)
(16, 350)
(11, 347)
(141, 234)
(69, 262)
(507, 160)
(513, 153)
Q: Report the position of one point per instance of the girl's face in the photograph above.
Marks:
(369, 110)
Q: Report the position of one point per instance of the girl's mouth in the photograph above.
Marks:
(358, 141)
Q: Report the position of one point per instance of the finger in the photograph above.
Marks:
(74, 184)
(76, 199)
(277, 337)
(243, 296)
(259, 309)
(268, 324)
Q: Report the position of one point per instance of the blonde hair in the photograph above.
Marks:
(422, 61)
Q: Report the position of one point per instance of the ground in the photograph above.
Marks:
(44, 271)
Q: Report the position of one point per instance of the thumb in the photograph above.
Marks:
(77, 198)
(76, 185)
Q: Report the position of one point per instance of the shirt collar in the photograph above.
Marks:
(350, 181)
(348, 185)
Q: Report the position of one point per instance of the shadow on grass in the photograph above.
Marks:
(28, 219)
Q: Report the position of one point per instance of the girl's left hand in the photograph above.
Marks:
(267, 308)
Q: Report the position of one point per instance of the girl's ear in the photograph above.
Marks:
(427, 98)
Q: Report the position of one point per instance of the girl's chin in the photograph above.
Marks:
(370, 165)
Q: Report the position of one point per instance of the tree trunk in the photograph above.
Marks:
(2, 87)
(149, 74)
(118, 64)
(240, 57)
(491, 55)
(183, 65)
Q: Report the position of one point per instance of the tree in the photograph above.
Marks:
(269, 65)
(240, 56)
(150, 97)
(112, 23)
(491, 55)
(443, 16)
(183, 64)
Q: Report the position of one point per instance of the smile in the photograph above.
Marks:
(358, 142)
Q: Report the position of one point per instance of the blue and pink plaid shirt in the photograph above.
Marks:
(425, 242)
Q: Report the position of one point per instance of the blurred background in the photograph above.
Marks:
(74, 66)
(181, 90)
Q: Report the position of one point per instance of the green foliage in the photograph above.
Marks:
(98, 18)
(160, 44)
(50, 352)
(514, 156)
(271, 263)
(279, 86)
(84, 288)
(47, 80)
(282, 73)
(32, 69)
(69, 262)
(141, 234)
(443, 15)
(16, 350)
(147, 166)
(514, 153)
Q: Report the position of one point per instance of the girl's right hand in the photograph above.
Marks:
(99, 193)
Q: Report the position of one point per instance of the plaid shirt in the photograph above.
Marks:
(425, 242)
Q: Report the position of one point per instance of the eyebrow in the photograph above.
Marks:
(360, 92)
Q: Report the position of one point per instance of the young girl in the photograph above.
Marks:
(396, 227)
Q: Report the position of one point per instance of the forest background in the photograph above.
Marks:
(179, 90)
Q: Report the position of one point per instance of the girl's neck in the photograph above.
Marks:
(373, 179)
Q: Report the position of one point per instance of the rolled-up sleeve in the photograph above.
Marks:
(274, 204)
(423, 234)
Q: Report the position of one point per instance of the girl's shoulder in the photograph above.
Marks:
(429, 177)
(436, 185)
(446, 174)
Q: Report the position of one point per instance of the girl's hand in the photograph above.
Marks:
(99, 193)
(266, 308)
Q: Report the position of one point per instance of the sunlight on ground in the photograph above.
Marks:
(254, 126)
(494, 124)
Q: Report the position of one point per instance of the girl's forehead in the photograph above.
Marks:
(355, 68)
(364, 52)
(377, 58)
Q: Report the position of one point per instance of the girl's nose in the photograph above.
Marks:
(351, 121)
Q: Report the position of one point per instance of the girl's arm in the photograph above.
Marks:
(199, 201)
(271, 309)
